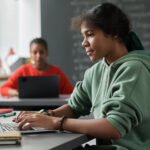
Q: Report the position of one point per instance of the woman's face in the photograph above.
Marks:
(38, 54)
(96, 43)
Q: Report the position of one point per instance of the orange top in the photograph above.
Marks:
(28, 70)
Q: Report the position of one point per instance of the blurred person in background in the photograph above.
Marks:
(39, 67)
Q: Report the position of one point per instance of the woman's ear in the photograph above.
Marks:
(115, 37)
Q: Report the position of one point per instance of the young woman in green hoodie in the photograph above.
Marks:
(115, 89)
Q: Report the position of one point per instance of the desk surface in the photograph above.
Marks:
(4, 77)
(45, 141)
(15, 101)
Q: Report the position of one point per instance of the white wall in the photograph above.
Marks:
(20, 22)
(8, 25)
(29, 24)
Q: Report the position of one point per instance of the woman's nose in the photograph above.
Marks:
(38, 55)
(84, 43)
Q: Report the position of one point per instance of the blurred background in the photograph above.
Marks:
(23, 20)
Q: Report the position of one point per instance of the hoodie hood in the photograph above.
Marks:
(133, 42)
(140, 55)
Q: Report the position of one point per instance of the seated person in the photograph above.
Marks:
(38, 52)
(115, 89)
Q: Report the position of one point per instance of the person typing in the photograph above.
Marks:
(39, 67)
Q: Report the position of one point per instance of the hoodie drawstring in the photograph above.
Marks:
(107, 84)
(93, 105)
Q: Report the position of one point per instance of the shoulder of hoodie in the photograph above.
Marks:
(118, 64)
(136, 60)
(129, 64)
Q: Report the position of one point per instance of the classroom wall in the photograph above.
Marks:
(29, 16)
(65, 45)
(8, 25)
(20, 21)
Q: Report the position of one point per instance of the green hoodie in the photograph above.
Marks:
(120, 93)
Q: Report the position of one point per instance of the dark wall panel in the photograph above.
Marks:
(65, 45)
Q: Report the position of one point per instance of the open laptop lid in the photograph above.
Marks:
(38, 86)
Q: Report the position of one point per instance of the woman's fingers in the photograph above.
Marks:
(26, 126)
(30, 125)
(28, 120)
(16, 118)
(13, 92)
(21, 114)
(25, 122)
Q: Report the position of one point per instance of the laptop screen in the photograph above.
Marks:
(38, 86)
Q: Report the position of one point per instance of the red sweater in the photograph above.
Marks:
(28, 70)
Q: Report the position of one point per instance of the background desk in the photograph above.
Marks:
(46, 141)
(3, 79)
(33, 104)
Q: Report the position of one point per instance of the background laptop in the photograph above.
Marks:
(38, 86)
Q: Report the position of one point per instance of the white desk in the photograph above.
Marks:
(46, 141)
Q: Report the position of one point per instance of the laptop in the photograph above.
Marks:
(38, 86)
(12, 126)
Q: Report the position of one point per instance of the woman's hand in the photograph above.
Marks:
(27, 120)
(12, 92)
(16, 119)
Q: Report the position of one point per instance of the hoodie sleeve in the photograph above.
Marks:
(80, 99)
(128, 97)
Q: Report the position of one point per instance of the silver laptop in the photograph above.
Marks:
(12, 126)
(38, 86)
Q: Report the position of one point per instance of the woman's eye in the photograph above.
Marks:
(90, 34)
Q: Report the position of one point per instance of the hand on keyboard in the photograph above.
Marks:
(37, 120)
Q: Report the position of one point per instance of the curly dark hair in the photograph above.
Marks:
(108, 17)
(39, 41)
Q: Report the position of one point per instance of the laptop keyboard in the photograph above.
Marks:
(9, 127)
